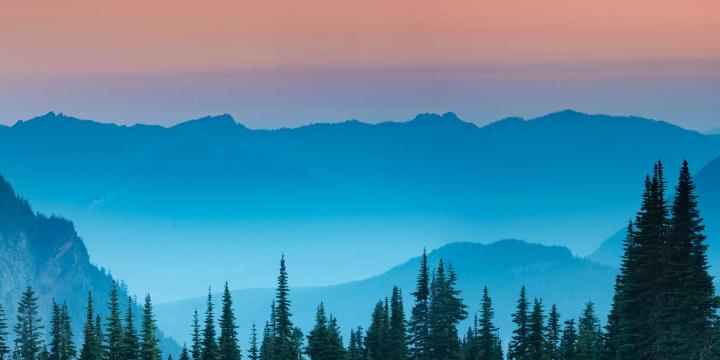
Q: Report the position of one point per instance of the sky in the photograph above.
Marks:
(279, 63)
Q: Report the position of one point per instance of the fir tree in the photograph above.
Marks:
(397, 342)
(209, 344)
(418, 325)
(99, 337)
(284, 346)
(611, 336)
(568, 342)
(486, 334)
(446, 312)
(376, 338)
(253, 351)
(589, 340)
(335, 341)
(129, 344)
(28, 328)
(518, 349)
(196, 349)
(55, 333)
(552, 335)
(4, 345)
(184, 354)
(68, 343)
(536, 327)
(471, 349)
(149, 349)
(356, 349)
(266, 348)
(228, 343)
(317, 347)
(113, 326)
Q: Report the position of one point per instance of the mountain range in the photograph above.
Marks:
(330, 194)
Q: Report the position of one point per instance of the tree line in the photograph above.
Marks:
(664, 307)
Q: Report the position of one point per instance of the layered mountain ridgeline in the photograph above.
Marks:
(707, 182)
(566, 178)
(47, 254)
(550, 272)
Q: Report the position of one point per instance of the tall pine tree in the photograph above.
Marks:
(209, 344)
(487, 333)
(536, 326)
(28, 328)
(149, 345)
(552, 335)
(446, 312)
(519, 346)
(228, 342)
(113, 326)
(283, 345)
(418, 325)
(253, 351)
(397, 341)
(196, 348)
(4, 345)
(589, 340)
(130, 343)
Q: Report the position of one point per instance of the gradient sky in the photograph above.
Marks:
(279, 63)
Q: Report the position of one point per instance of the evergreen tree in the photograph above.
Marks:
(568, 342)
(589, 341)
(335, 341)
(446, 312)
(99, 337)
(692, 303)
(318, 344)
(196, 348)
(519, 346)
(356, 349)
(471, 348)
(28, 328)
(4, 345)
(253, 351)
(397, 341)
(184, 353)
(418, 325)
(296, 339)
(113, 326)
(209, 344)
(266, 348)
(536, 327)
(552, 335)
(130, 343)
(284, 346)
(149, 349)
(55, 333)
(228, 343)
(376, 338)
(68, 343)
(486, 334)
(611, 336)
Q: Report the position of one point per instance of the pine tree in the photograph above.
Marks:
(149, 349)
(184, 355)
(397, 341)
(99, 337)
(518, 349)
(209, 344)
(552, 335)
(536, 327)
(568, 342)
(335, 341)
(611, 336)
(317, 347)
(113, 326)
(693, 302)
(356, 349)
(446, 312)
(471, 346)
(589, 341)
(486, 337)
(228, 342)
(284, 346)
(196, 349)
(418, 325)
(28, 328)
(253, 353)
(376, 338)
(4, 345)
(55, 333)
(129, 344)
(266, 348)
(68, 343)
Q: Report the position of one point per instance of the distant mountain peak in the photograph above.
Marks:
(210, 122)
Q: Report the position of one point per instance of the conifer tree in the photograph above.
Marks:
(376, 338)
(130, 343)
(4, 345)
(568, 342)
(471, 346)
(228, 342)
(209, 344)
(536, 327)
(446, 312)
(68, 343)
(552, 335)
(253, 351)
(356, 349)
(418, 325)
(335, 341)
(99, 337)
(113, 326)
(611, 336)
(283, 344)
(196, 348)
(589, 340)
(28, 328)
(184, 354)
(397, 341)
(55, 333)
(318, 344)
(149, 349)
(486, 334)
(518, 349)
(266, 348)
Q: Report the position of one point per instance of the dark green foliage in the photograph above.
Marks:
(113, 326)
(196, 349)
(536, 326)
(446, 312)
(99, 337)
(61, 338)
(568, 342)
(296, 338)
(552, 335)
(209, 344)
(184, 354)
(376, 338)
(4, 345)
(324, 340)
(266, 348)
(589, 340)
(519, 346)
(418, 325)
(283, 345)
(28, 328)
(149, 349)
(228, 342)
(470, 346)
(130, 343)
(487, 338)
(253, 351)
(356, 347)
(397, 338)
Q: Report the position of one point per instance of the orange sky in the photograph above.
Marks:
(81, 36)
